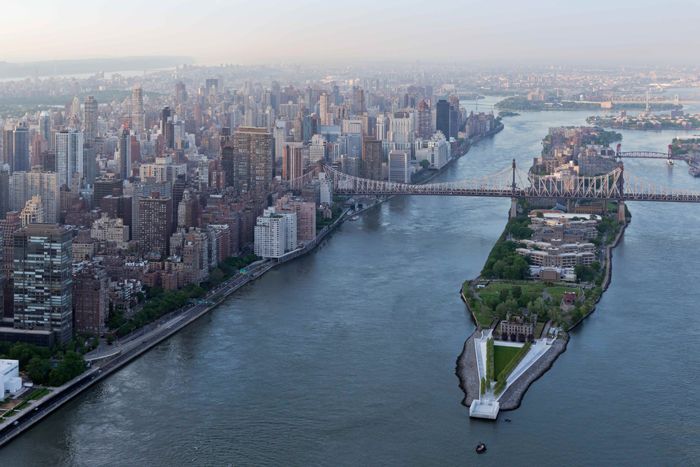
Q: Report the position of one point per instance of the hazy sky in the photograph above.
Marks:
(257, 31)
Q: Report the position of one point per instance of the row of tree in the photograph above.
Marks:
(45, 366)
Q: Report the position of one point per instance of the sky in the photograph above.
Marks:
(622, 32)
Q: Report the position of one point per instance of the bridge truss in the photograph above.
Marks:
(514, 183)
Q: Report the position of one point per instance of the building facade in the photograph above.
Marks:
(43, 281)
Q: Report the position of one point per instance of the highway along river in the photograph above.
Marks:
(347, 356)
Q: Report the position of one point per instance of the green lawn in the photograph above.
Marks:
(494, 288)
(502, 355)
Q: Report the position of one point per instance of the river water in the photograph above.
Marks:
(347, 356)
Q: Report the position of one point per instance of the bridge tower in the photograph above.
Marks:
(513, 200)
(670, 153)
(618, 150)
(621, 211)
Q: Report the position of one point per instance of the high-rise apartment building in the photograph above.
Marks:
(251, 167)
(69, 156)
(292, 161)
(275, 234)
(24, 185)
(90, 298)
(43, 282)
(306, 216)
(154, 224)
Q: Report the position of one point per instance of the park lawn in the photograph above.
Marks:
(502, 355)
(494, 288)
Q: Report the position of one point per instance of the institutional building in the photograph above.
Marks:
(42, 276)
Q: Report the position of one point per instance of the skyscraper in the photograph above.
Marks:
(398, 166)
(45, 128)
(69, 155)
(454, 116)
(20, 145)
(24, 185)
(137, 115)
(253, 162)
(90, 120)
(90, 301)
(8, 226)
(180, 93)
(43, 280)
(442, 118)
(4, 192)
(372, 159)
(324, 111)
(124, 150)
(424, 126)
(292, 161)
(8, 150)
(154, 226)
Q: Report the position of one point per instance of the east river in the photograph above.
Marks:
(347, 356)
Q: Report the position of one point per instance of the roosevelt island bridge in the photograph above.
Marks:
(516, 184)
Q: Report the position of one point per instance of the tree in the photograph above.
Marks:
(516, 292)
(38, 370)
(425, 164)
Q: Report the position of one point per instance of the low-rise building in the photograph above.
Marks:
(10, 381)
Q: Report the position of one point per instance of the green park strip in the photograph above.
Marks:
(510, 366)
(490, 366)
(503, 356)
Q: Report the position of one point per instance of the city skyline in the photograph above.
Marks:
(311, 31)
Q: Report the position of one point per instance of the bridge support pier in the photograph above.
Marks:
(513, 208)
(621, 212)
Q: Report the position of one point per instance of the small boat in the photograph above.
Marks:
(480, 448)
(508, 420)
(670, 162)
(354, 218)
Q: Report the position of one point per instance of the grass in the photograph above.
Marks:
(38, 393)
(494, 288)
(502, 356)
